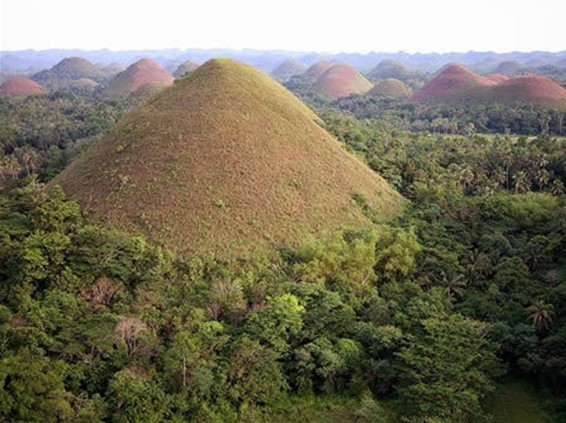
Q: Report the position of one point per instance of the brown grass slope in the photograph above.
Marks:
(534, 89)
(184, 68)
(341, 80)
(20, 86)
(455, 83)
(390, 88)
(224, 161)
(144, 71)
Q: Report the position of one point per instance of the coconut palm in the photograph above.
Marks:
(541, 314)
(454, 285)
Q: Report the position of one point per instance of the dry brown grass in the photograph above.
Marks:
(341, 80)
(20, 86)
(225, 161)
(453, 84)
(144, 71)
(457, 84)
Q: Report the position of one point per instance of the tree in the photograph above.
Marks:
(541, 314)
(136, 398)
(32, 389)
(446, 369)
(274, 325)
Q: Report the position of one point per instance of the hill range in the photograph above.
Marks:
(457, 84)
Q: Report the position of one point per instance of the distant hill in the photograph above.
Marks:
(144, 71)
(509, 68)
(287, 69)
(389, 68)
(112, 69)
(341, 80)
(225, 161)
(529, 89)
(390, 88)
(184, 68)
(68, 70)
(455, 83)
(458, 84)
(20, 86)
(316, 70)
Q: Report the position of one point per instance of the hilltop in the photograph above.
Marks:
(184, 68)
(68, 70)
(287, 69)
(142, 72)
(389, 68)
(454, 83)
(20, 86)
(225, 161)
(316, 70)
(341, 80)
(390, 88)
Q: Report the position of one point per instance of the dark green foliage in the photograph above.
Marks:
(412, 320)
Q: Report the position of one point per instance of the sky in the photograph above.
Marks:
(299, 25)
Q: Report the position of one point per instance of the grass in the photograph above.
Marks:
(143, 72)
(518, 402)
(341, 80)
(222, 147)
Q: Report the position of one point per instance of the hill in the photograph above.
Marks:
(184, 68)
(316, 70)
(391, 88)
(142, 72)
(287, 69)
(534, 89)
(20, 86)
(389, 68)
(341, 80)
(455, 83)
(225, 161)
(68, 70)
(509, 68)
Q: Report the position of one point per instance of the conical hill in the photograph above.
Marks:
(225, 161)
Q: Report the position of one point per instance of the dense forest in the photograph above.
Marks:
(418, 319)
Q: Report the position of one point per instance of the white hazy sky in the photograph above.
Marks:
(303, 25)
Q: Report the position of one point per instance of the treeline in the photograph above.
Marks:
(521, 119)
(40, 134)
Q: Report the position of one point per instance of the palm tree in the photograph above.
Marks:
(454, 285)
(541, 314)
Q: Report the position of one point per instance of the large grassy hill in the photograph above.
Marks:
(225, 161)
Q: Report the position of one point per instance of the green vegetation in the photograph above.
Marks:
(453, 310)
(42, 134)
